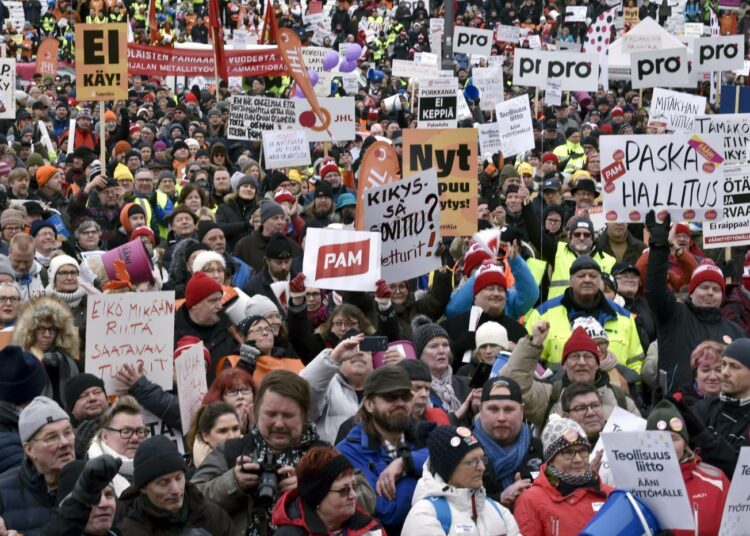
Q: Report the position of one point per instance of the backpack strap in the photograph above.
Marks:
(496, 507)
(443, 512)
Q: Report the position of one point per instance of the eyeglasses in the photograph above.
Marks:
(54, 439)
(627, 277)
(12, 228)
(583, 408)
(9, 299)
(405, 396)
(260, 331)
(246, 391)
(127, 433)
(474, 464)
(312, 294)
(581, 234)
(586, 357)
(52, 330)
(344, 324)
(569, 454)
(72, 273)
(92, 232)
(346, 490)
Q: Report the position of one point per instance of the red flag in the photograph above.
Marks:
(270, 26)
(217, 37)
(153, 24)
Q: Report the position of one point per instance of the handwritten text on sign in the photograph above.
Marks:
(130, 329)
(190, 374)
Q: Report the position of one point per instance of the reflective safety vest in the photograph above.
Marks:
(564, 258)
(537, 267)
(147, 208)
(164, 207)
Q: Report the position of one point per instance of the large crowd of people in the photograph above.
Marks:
(500, 370)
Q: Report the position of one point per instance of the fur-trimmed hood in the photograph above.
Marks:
(47, 307)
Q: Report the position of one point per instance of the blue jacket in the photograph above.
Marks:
(370, 457)
(241, 275)
(520, 297)
(25, 502)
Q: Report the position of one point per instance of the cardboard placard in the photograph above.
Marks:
(734, 130)
(250, 116)
(190, 375)
(736, 517)
(514, 121)
(467, 40)
(341, 260)
(489, 140)
(412, 69)
(553, 93)
(674, 110)
(718, 53)
(577, 71)
(489, 82)
(734, 228)
(286, 148)
(438, 101)
(7, 88)
(101, 62)
(679, 173)
(130, 328)
(659, 68)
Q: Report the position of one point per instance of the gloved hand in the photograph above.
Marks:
(297, 287)
(52, 359)
(694, 426)
(96, 475)
(383, 295)
(659, 231)
(248, 358)
(85, 434)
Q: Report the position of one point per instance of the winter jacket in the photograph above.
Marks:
(33, 282)
(11, 450)
(368, 454)
(537, 395)
(471, 511)
(542, 505)
(143, 519)
(252, 249)
(432, 303)
(25, 502)
(737, 308)
(632, 252)
(164, 404)
(218, 339)
(124, 478)
(295, 518)
(234, 217)
(681, 326)
(707, 488)
(727, 430)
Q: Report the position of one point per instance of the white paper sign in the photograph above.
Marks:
(736, 517)
(646, 465)
(190, 374)
(734, 130)
(734, 229)
(340, 112)
(239, 39)
(467, 40)
(130, 328)
(438, 102)
(659, 68)
(578, 72)
(489, 82)
(718, 53)
(15, 14)
(508, 34)
(514, 122)
(674, 110)
(620, 420)
(412, 69)
(553, 92)
(575, 13)
(251, 115)
(341, 260)
(7, 88)
(489, 140)
(634, 43)
(286, 148)
(693, 29)
(157, 427)
(313, 57)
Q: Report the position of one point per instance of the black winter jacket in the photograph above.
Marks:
(25, 502)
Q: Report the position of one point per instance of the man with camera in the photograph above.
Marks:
(247, 475)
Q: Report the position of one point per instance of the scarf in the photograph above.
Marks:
(73, 299)
(571, 481)
(126, 469)
(505, 461)
(444, 390)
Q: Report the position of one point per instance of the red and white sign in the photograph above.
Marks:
(341, 260)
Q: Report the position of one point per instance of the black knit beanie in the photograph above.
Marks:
(77, 385)
(448, 445)
(155, 457)
(424, 330)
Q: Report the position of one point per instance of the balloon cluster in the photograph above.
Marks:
(331, 61)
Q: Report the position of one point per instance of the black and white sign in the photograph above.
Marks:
(438, 102)
(250, 115)
(719, 53)
(578, 72)
(514, 122)
(472, 41)
(659, 68)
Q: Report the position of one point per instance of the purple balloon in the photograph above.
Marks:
(313, 76)
(331, 60)
(298, 93)
(353, 52)
(347, 66)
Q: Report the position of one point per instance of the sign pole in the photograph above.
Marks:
(718, 88)
(536, 102)
(102, 136)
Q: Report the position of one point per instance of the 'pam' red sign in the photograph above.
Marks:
(344, 259)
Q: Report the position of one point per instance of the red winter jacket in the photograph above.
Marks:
(541, 507)
(707, 487)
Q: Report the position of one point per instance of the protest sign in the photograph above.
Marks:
(514, 121)
(7, 88)
(47, 57)
(508, 34)
(575, 13)
(239, 39)
(734, 228)
(578, 72)
(659, 68)
(190, 375)
(489, 140)
(635, 42)
(553, 93)
(693, 29)
(437, 25)
(489, 82)
(250, 116)
(313, 57)
(675, 111)
(677, 173)
(133, 329)
(101, 62)
(412, 69)
(620, 420)
(286, 148)
(646, 465)
(379, 166)
(631, 17)
(535, 42)
(452, 151)
(718, 53)
(438, 102)
(736, 517)
(341, 260)
(158, 427)
(406, 214)
(734, 130)
(467, 40)
(339, 115)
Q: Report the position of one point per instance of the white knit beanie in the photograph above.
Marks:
(492, 333)
(57, 263)
(204, 258)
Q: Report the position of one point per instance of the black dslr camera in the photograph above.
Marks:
(269, 478)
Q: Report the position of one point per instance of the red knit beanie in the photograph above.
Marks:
(707, 271)
(488, 275)
(186, 342)
(143, 231)
(328, 167)
(473, 257)
(200, 287)
(682, 228)
(580, 341)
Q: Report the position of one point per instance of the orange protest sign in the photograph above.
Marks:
(101, 62)
(379, 167)
(453, 153)
(46, 57)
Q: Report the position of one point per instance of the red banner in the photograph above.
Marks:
(148, 60)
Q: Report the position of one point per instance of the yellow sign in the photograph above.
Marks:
(101, 62)
(630, 16)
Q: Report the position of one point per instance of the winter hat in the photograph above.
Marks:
(323, 189)
(242, 180)
(492, 333)
(123, 173)
(665, 416)
(592, 327)
(550, 157)
(38, 225)
(34, 159)
(584, 262)
(449, 445)
(561, 433)
(23, 376)
(682, 228)
(525, 169)
(278, 248)
(746, 271)
(58, 262)
(204, 258)
(282, 194)
(40, 412)
(580, 222)
(128, 210)
(473, 257)
(77, 385)
(155, 457)
(159, 145)
(514, 390)
(122, 147)
(580, 341)
(205, 227)
(109, 115)
(260, 305)
(276, 179)
(4, 169)
(200, 287)
(328, 167)
(739, 350)
(507, 172)
(11, 216)
(144, 231)
(707, 271)
(166, 174)
(314, 490)
(387, 380)
(488, 275)
(186, 342)
(44, 174)
(5, 267)
(269, 209)
(424, 330)
(417, 370)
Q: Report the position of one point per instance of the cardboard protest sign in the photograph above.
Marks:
(734, 228)
(635, 43)
(313, 57)
(508, 34)
(339, 116)
(578, 72)
(718, 53)
(659, 68)
(341, 260)
(438, 103)
(489, 140)
(734, 130)
(406, 213)
(7, 88)
(250, 116)
(158, 427)
(736, 517)
(674, 110)
(452, 152)
(467, 40)
(678, 173)
(190, 374)
(285, 148)
(514, 121)
(132, 328)
(101, 62)
(412, 69)
(489, 82)
(646, 465)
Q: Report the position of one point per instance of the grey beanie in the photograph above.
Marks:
(246, 179)
(424, 331)
(269, 209)
(5, 267)
(40, 412)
